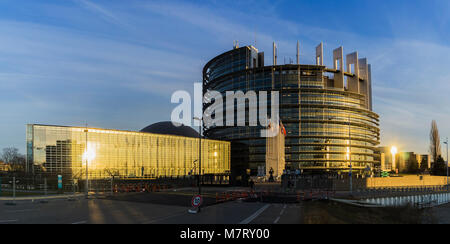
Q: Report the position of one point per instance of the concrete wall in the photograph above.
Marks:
(410, 180)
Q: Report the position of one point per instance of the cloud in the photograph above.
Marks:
(157, 47)
(100, 11)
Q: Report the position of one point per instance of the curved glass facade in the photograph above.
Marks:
(324, 124)
(124, 154)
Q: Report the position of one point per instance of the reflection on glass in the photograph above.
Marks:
(124, 154)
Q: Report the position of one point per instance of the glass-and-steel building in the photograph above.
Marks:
(327, 112)
(122, 154)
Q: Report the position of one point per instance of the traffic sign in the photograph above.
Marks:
(197, 201)
(60, 182)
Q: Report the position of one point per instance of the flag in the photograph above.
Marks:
(283, 129)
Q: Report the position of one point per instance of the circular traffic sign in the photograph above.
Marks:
(197, 201)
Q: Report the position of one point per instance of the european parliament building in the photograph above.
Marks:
(327, 111)
(159, 150)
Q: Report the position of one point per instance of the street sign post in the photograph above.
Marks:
(60, 185)
(197, 201)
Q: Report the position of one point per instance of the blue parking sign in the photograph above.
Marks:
(59, 181)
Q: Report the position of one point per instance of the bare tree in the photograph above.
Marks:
(435, 142)
(10, 155)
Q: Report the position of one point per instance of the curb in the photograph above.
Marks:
(31, 198)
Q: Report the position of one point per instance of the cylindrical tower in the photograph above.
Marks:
(327, 112)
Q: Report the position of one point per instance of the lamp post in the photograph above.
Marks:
(86, 158)
(89, 155)
(199, 154)
(350, 155)
(446, 143)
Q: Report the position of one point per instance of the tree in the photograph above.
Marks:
(439, 167)
(423, 166)
(15, 160)
(412, 166)
(10, 155)
(435, 142)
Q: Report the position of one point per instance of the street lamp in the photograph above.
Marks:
(86, 158)
(199, 154)
(446, 143)
(350, 154)
(394, 151)
(89, 155)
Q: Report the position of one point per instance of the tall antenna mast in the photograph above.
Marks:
(274, 54)
(298, 52)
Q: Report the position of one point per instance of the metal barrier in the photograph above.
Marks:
(232, 196)
(399, 191)
(314, 195)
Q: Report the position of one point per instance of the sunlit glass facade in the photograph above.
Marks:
(325, 124)
(124, 154)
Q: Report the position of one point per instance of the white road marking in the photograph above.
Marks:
(256, 214)
(177, 214)
(276, 220)
(8, 221)
(281, 213)
(80, 222)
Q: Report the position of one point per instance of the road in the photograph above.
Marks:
(107, 211)
(103, 211)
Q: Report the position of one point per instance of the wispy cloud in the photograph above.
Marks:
(99, 10)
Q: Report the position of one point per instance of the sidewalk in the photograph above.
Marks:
(42, 197)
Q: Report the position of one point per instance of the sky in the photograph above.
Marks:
(115, 64)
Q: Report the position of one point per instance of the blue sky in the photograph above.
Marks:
(115, 64)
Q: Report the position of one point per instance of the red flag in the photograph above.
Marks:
(283, 130)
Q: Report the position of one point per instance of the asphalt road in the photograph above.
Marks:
(103, 211)
(107, 211)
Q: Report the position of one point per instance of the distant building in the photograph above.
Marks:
(4, 167)
(400, 163)
(160, 150)
(424, 159)
(404, 158)
(385, 158)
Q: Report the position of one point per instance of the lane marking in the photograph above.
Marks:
(176, 214)
(80, 222)
(255, 215)
(276, 220)
(281, 213)
(8, 221)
